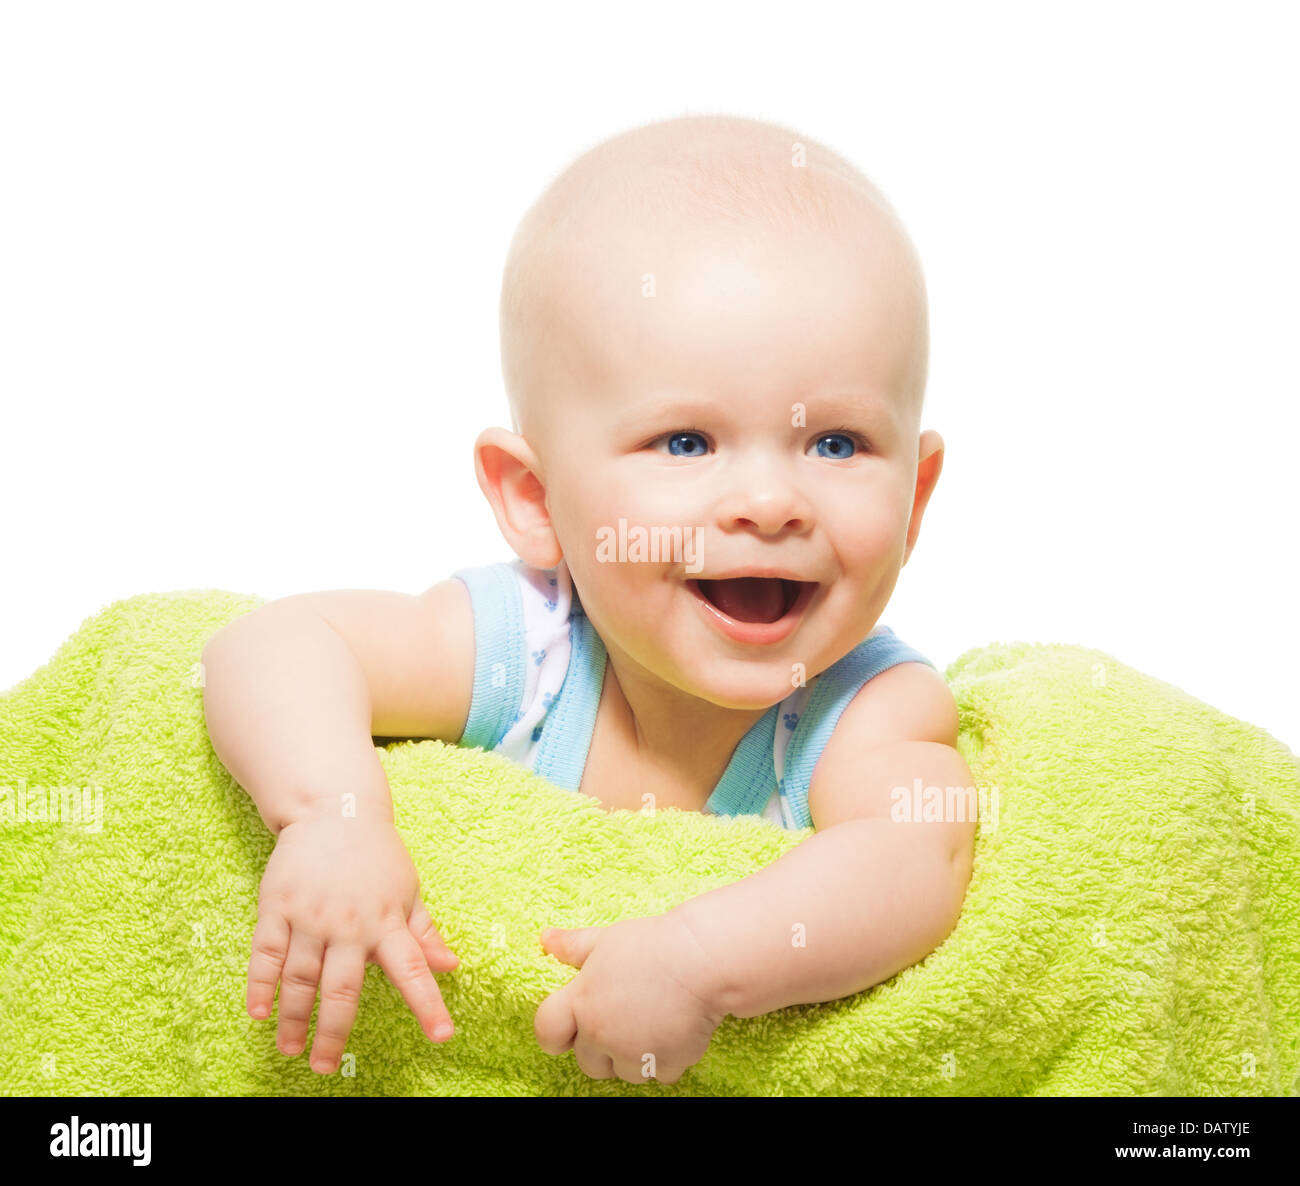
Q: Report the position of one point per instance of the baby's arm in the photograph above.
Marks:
(867, 895)
(294, 694)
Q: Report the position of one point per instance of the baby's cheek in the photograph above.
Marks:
(657, 504)
(874, 536)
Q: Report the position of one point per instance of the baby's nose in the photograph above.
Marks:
(769, 506)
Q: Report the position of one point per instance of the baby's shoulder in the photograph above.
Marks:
(910, 701)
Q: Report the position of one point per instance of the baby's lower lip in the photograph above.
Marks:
(756, 633)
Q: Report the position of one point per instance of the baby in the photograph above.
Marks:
(715, 345)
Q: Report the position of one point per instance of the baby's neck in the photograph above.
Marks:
(679, 735)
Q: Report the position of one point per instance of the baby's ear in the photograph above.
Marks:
(929, 465)
(507, 468)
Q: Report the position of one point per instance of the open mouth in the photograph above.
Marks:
(754, 599)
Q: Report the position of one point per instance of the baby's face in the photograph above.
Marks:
(752, 393)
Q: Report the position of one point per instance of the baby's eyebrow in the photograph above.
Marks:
(655, 412)
(867, 407)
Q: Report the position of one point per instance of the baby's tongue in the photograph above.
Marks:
(747, 599)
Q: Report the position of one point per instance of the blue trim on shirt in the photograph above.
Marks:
(498, 651)
(750, 777)
(835, 687)
(571, 718)
(747, 783)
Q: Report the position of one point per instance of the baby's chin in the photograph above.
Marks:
(748, 683)
(740, 685)
(760, 678)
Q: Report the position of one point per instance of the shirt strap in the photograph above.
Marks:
(746, 784)
(835, 688)
(571, 721)
(498, 652)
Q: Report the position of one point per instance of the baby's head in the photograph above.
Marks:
(715, 330)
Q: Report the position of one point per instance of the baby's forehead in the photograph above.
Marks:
(731, 173)
(653, 211)
(648, 230)
(611, 229)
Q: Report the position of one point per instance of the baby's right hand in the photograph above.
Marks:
(339, 893)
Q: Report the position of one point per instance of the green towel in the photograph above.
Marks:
(1132, 925)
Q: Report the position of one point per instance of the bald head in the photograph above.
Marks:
(744, 177)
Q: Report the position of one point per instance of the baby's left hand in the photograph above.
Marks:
(643, 1006)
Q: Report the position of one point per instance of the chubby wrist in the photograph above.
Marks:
(705, 961)
(367, 799)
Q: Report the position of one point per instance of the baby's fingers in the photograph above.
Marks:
(404, 963)
(270, 946)
(298, 990)
(340, 992)
(434, 946)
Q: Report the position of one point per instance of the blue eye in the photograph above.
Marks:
(841, 446)
(686, 439)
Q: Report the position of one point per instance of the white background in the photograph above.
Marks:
(250, 257)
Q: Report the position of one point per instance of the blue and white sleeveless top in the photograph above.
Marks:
(540, 666)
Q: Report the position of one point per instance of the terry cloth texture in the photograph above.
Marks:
(1132, 924)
